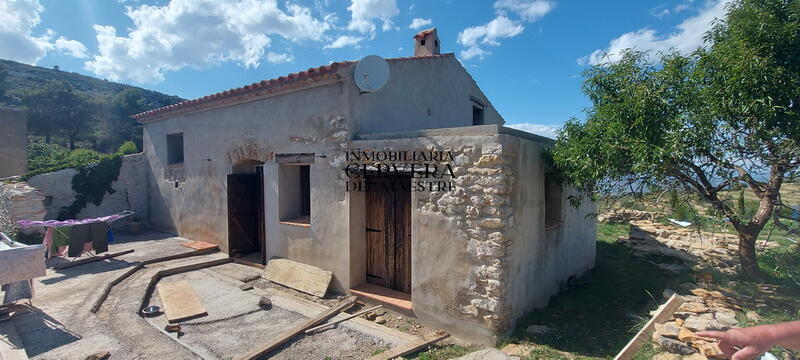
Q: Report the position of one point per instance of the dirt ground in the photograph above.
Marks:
(63, 328)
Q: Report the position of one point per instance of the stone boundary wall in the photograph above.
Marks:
(43, 196)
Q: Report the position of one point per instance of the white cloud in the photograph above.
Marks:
(538, 129)
(529, 11)
(502, 26)
(200, 34)
(659, 11)
(71, 47)
(17, 41)
(489, 34)
(343, 41)
(417, 23)
(364, 12)
(687, 37)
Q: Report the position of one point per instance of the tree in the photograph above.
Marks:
(124, 128)
(58, 109)
(723, 117)
(3, 77)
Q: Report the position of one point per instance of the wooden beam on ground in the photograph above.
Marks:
(181, 256)
(107, 290)
(301, 277)
(172, 271)
(641, 337)
(413, 346)
(91, 259)
(11, 347)
(348, 317)
(289, 334)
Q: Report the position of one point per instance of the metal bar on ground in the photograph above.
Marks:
(91, 259)
(410, 347)
(665, 312)
(348, 317)
(287, 335)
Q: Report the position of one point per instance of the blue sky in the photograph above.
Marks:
(526, 55)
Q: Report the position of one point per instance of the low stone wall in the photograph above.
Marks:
(43, 196)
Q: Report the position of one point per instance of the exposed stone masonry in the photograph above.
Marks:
(480, 205)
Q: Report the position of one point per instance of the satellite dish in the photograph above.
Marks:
(371, 73)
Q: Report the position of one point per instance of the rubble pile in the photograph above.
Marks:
(684, 246)
(624, 216)
(703, 310)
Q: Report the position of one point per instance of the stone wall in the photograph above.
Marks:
(19, 201)
(54, 191)
(13, 143)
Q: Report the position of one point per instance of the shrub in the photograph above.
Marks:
(127, 148)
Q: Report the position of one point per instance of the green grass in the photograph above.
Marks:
(597, 319)
(441, 353)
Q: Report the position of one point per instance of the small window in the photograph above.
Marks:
(422, 42)
(175, 149)
(295, 193)
(477, 113)
(436, 43)
(552, 202)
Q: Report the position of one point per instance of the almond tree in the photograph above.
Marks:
(722, 118)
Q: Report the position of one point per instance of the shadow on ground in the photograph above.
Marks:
(596, 316)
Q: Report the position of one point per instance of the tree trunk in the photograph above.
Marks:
(747, 250)
(47, 137)
(72, 142)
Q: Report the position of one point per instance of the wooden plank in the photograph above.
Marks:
(199, 245)
(11, 347)
(302, 277)
(410, 347)
(180, 256)
(376, 232)
(172, 271)
(180, 301)
(289, 334)
(348, 317)
(402, 272)
(641, 337)
(107, 290)
(91, 259)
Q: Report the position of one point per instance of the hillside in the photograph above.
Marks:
(24, 78)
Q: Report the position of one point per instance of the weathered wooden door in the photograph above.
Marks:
(388, 219)
(245, 213)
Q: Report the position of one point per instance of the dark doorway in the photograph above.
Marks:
(246, 236)
(388, 219)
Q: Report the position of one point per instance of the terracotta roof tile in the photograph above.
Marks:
(424, 33)
(264, 87)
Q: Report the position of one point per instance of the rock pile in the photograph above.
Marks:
(624, 216)
(686, 245)
(703, 310)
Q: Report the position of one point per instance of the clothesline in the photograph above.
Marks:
(60, 223)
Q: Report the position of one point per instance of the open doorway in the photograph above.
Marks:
(388, 232)
(246, 232)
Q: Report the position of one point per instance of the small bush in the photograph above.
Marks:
(128, 148)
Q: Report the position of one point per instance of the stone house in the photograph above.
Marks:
(416, 191)
(13, 143)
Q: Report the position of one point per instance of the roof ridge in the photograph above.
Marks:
(270, 86)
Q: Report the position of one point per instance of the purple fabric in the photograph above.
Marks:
(57, 223)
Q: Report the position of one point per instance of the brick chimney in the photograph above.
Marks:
(426, 43)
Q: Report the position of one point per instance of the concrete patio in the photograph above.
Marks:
(62, 327)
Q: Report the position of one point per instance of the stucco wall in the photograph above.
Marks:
(541, 260)
(130, 191)
(194, 204)
(13, 143)
(424, 93)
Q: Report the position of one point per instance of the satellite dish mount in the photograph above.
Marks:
(371, 74)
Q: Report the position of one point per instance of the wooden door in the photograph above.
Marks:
(245, 213)
(388, 220)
